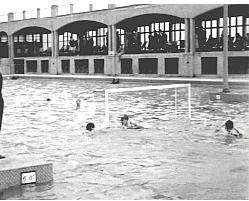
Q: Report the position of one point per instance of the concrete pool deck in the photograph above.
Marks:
(170, 80)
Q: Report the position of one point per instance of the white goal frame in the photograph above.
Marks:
(117, 90)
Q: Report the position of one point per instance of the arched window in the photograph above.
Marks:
(152, 33)
(4, 50)
(209, 28)
(32, 41)
(83, 38)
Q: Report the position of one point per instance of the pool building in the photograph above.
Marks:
(184, 40)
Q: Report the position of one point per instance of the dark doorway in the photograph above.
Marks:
(209, 65)
(148, 66)
(126, 66)
(171, 65)
(99, 66)
(19, 66)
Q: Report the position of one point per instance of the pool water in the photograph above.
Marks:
(173, 158)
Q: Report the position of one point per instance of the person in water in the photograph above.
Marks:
(115, 81)
(78, 101)
(90, 127)
(126, 123)
(229, 127)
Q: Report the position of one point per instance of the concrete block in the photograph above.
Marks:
(229, 97)
(12, 171)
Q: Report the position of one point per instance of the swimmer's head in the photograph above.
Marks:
(229, 125)
(90, 126)
(48, 99)
(125, 117)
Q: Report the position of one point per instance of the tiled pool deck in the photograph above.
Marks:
(210, 81)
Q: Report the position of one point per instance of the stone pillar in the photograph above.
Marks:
(219, 66)
(39, 66)
(71, 8)
(11, 54)
(186, 35)
(24, 15)
(114, 39)
(192, 35)
(54, 10)
(225, 49)
(55, 52)
(110, 40)
(72, 69)
(38, 13)
(161, 66)
(10, 17)
(135, 66)
(91, 66)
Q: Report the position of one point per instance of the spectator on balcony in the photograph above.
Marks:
(118, 40)
(156, 40)
(247, 42)
(201, 37)
(162, 40)
(151, 42)
(72, 45)
(239, 41)
(90, 45)
(104, 49)
(210, 44)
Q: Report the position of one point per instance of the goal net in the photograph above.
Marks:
(148, 103)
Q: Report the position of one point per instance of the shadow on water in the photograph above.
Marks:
(23, 192)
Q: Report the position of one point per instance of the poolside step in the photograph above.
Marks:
(16, 172)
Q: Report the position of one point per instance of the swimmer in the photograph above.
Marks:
(126, 123)
(48, 99)
(90, 127)
(2, 156)
(231, 130)
(78, 104)
(115, 81)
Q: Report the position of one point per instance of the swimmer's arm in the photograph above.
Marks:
(239, 133)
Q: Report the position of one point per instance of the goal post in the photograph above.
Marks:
(157, 87)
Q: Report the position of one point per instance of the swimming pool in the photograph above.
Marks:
(172, 159)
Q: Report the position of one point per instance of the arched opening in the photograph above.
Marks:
(32, 42)
(83, 38)
(4, 48)
(151, 33)
(209, 28)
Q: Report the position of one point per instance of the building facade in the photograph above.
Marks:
(155, 40)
